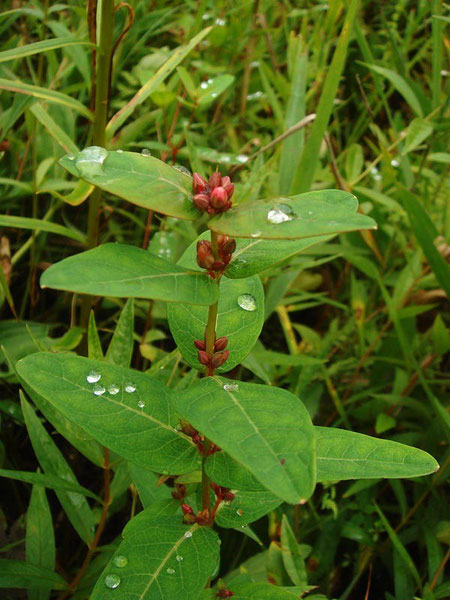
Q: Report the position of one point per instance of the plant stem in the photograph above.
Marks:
(105, 21)
(206, 497)
(210, 333)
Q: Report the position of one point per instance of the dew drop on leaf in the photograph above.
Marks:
(281, 213)
(247, 302)
(179, 558)
(98, 389)
(231, 387)
(188, 534)
(256, 234)
(239, 512)
(146, 152)
(130, 388)
(89, 161)
(120, 560)
(120, 151)
(113, 389)
(112, 581)
(242, 158)
(93, 377)
(141, 404)
(170, 571)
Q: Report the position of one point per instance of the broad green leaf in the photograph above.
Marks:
(57, 133)
(307, 215)
(344, 454)
(142, 180)
(160, 559)
(279, 452)
(45, 94)
(20, 574)
(37, 47)
(418, 131)
(265, 591)
(120, 348)
(147, 485)
(40, 225)
(400, 85)
(340, 455)
(240, 317)
(125, 271)
(211, 89)
(40, 538)
(293, 557)
(245, 508)
(154, 82)
(253, 256)
(50, 481)
(53, 463)
(125, 410)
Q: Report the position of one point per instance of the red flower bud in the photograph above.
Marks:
(221, 344)
(219, 358)
(205, 257)
(218, 265)
(215, 180)
(203, 517)
(203, 358)
(218, 198)
(225, 594)
(201, 201)
(228, 496)
(229, 188)
(200, 344)
(187, 510)
(199, 184)
(228, 246)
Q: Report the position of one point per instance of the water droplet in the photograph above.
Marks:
(179, 558)
(256, 234)
(239, 512)
(203, 85)
(231, 387)
(141, 404)
(219, 542)
(205, 17)
(214, 95)
(113, 389)
(120, 151)
(188, 534)
(220, 22)
(255, 95)
(182, 170)
(90, 161)
(93, 377)
(70, 157)
(247, 302)
(120, 560)
(395, 163)
(98, 389)
(242, 158)
(112, 581)
(281, 213)
(146, 152)
(170, 571)
(130, 388)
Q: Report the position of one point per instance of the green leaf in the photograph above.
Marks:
(240, 419)
(144, 434)
(40, 538)
(94, 345)
(120, 348)
(400, 85)
(293, 557)
(45, 94)
(245, 508)
(417, 132)
(241, 326)
(256, 255)
(19, 574)
(57, 132)
(211, 89)
(344, 454)
(263, 591)
(147, 484)
(154, 82)
(50, 481)
(77, 196)
(125, 271)
(40, 225)
(37, 47)
(307, 215)
(142, 180)
(54, 463)
(158, 559)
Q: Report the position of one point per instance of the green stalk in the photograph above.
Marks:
(105, 29)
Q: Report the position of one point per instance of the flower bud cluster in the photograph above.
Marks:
(207, 260)
(212, 196)
(198, 439)
(220, 355)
